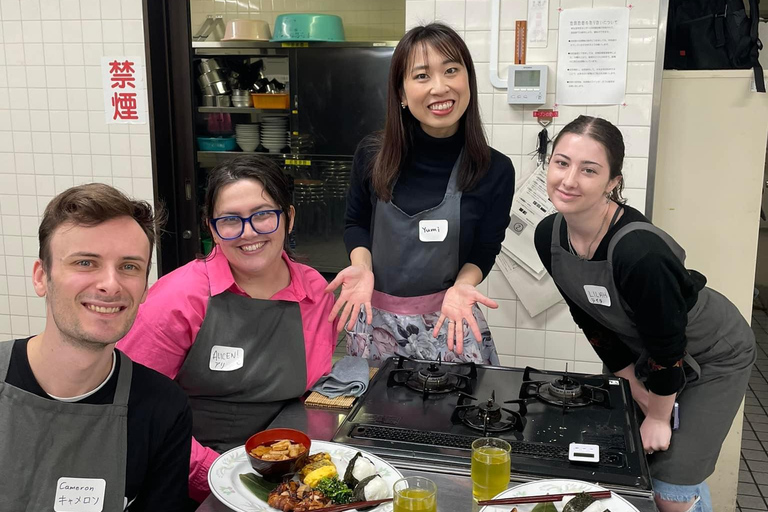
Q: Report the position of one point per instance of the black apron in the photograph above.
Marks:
(719, 355)
(415, 260)
(247, 361)
(53, 445)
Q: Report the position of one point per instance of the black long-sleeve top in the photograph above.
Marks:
(159, 432)
(656, 286)
(422, 184)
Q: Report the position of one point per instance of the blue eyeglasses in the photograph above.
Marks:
(231, 227)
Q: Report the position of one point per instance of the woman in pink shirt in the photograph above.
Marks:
(243, 330)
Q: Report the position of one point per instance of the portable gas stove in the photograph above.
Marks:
(427, 413)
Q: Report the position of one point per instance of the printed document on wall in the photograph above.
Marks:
(536, 295)
(592, 56)
(530, 205)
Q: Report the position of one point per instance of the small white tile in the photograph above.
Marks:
(450, 12)
(43, 163)
(9, 205)
(5, 121)
(557, 365)
(548, 54)
(121, 166)
(52, 32)
(60, 143)
(22, 163)
(81, 143)
(485, 102)
(97, 122)
(49, 10)
(504, 339)
(506, 47)
(534, 362)
(29, 224)
(131, 9)
(59, 120)
(25, 184)
(644, 14)
(101, 165)
(610, 3)
(635, 198)
(72, 31)
(92, 54)
(41, 142)
(133, 31)
(143, 189)
(73, 56)
(13, 32)
(36, 305)
(635, 172)
(588, 368)
(93, 77)
(79, 121)
(57, 99)
(559, 345)
(119, 144)
(77, 99)
(81, 164)
(419, 12)
(511, 11)
(95, 99)
(575, 4)
(478, 15)
(20, 121)
(642, 45)
(35, 76)
(36, 324)
(530, 343)
(22, 142)
(100, 144)
(508, 138)
(27, 208)
(124, 185)
(525, 321)
(75, 76)
(7, 185)
(11, 9)
(478, 44)
(140, 145)
(62, 163)
(636, 110)
(141, 167)
(16, 287)
(640, 77)
(504, 360)
(54, 55)
(112, 31)
(504, 316)
(92, 31)
(19, 326)
(11, 226)
(62, 183)
(110, 10)
(34, 55)
(636, 140)
(18, 307)
(14, 54)
(608, 112)
(584, 351)
(33, 31)
(90, 9)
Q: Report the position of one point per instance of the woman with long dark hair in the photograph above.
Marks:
(243, 329)
(426, 213)
(651, 320)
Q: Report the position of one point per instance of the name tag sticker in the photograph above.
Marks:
(433, 230)
(226, 359)
(80, 495)
(597, 295)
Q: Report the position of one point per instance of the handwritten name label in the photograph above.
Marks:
(597, 295)
(80, 495)
(433, 230)
(226, 359)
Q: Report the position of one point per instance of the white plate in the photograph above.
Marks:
(615, 503)
(225, 484)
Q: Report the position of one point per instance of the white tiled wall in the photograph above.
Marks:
(52, 128)
(364, 20)
(551, 339)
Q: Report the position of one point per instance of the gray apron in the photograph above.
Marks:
(720, 351)
(411, 273)
(46, 440)
(230, 406)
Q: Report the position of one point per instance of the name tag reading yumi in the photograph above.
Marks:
(226, 359)
(80, 495)
(597, 295)
(433, 230)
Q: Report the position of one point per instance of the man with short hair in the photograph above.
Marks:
(84, 428)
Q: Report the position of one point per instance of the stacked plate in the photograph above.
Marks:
(274, 133)
(302, 144)
(335, 174)
(247, 136)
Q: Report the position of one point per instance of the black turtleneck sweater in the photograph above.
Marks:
(421, 185)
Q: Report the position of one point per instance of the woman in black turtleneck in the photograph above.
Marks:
(427, 209)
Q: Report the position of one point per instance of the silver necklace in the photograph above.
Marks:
(589, 248)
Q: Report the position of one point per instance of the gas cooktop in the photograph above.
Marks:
(430, 412)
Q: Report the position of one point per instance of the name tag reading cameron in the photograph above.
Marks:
(433, 230)
(597, 295)
(80, 495)
(226, 359)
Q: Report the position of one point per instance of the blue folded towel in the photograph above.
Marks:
(348, 377)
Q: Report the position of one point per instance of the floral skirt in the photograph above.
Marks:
(404, 325)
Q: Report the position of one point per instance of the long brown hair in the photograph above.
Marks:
(393, 144)
(609, 137)
(251, 167)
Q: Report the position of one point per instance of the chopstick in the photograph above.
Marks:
(353, 506)
(542, 498)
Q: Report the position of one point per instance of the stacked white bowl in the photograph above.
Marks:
(247, 136)
(274, 133)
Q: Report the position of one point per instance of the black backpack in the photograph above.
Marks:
(713, 34)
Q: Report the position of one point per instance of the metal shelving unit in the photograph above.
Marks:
(243, 110)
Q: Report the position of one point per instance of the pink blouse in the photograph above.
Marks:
(169, 320)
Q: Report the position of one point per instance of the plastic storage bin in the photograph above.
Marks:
(216, 143)
(271, 101)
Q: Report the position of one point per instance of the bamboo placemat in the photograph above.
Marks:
(316, 399)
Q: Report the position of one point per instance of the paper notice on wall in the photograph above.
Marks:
(592, 56)
(530, 205)
(125, 90)
(538, 23)
(536, 295)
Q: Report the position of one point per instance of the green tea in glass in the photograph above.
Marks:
(415, 494)
(490, 467)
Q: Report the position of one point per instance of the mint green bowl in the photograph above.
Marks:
(308, 27)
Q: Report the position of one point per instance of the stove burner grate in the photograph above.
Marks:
(489, 416)
(564, 391)
(432, 379)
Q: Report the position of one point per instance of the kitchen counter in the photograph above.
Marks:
(454, 492)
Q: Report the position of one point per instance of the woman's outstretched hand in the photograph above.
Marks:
(457, 308)
(356, 289)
